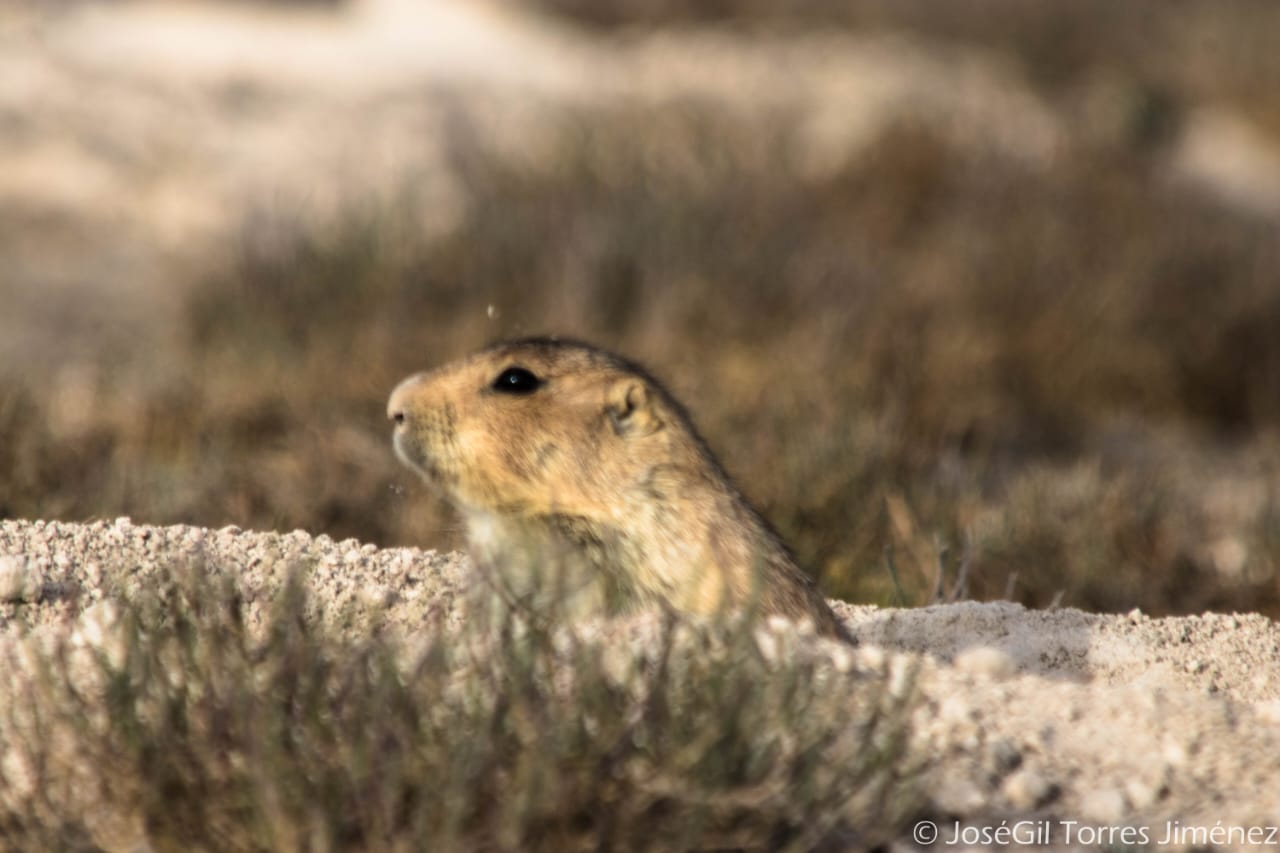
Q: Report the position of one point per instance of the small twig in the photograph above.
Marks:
(939, 581)
(961, 589)
(893, 575)
(1010, 584)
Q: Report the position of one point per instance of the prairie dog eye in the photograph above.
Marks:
(516, 380)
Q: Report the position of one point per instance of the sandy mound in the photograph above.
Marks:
(1098, 728)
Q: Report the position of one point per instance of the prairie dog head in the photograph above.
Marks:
(534, 428)
(564, 456)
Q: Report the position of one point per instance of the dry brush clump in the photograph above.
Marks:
(177, 717)
(927, 326)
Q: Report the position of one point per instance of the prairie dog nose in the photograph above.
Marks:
(397, 405)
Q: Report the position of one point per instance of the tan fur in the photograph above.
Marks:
(599, 469)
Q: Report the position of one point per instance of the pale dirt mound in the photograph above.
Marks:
(1111, 720)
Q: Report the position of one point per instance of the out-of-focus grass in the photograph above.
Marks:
(929, 348)
(182, 724)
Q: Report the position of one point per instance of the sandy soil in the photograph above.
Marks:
(1109, 720)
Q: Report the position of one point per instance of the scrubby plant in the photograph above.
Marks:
(185, 718)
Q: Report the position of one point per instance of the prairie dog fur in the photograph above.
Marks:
(556, 452)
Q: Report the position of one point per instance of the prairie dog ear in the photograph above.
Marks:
(630, 409)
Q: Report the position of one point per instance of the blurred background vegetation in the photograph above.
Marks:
(941, 342)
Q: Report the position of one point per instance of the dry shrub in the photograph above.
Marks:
(186, 727)
(929, 324)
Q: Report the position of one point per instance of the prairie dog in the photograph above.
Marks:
(558, 453)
